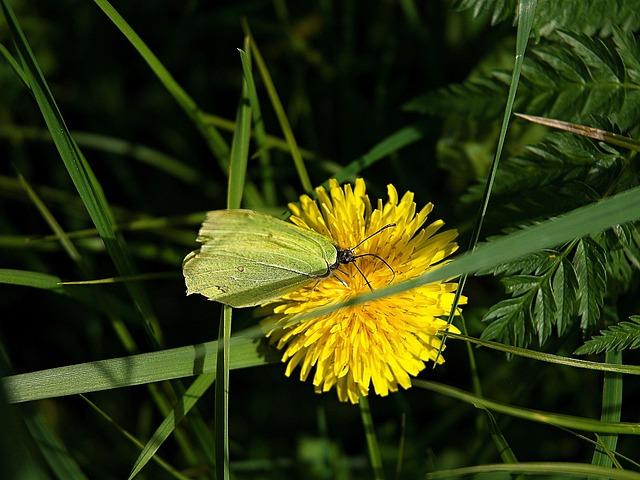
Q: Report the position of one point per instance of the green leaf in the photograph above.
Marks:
(548, 418)
(611, 412)
(565, 285)
(80, 172)
(131, 370)
(589, 263)
(53, 450)
(507, 321)
(568, 76)
(171, 421)
(549, 358)
(216, 143)
(29, 279)
(280, 114)
(544, 310)
(558, 470)
(587, 16)
(394, 142)
(623, 336)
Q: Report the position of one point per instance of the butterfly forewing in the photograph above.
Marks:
(247, 258)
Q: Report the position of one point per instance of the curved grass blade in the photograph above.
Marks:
(171, 421)
(59, 233)
(147, 155)
(165, 465)
(550, 358)
(394, 142)
(268, 185)
(214, 140)
(270, 141)
(53, 450)
(526, 11)
(14, 65)
(132, 370)
(280, 113)
(538, 416)
(80, 172)
(579, 470)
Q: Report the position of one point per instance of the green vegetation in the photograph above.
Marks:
(122, 123)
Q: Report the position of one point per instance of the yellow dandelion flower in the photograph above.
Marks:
(383, 342)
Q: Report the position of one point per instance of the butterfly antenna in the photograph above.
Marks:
(393, 272)
(363, 276)
(389, 225)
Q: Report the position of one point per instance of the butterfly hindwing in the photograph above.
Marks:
(247, 258)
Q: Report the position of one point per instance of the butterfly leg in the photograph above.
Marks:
(393, 272)
(363, 276)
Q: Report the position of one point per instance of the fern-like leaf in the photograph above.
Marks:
(587, 16)
(623, 336)
(589, 262)
(567, 76)
(564, 285)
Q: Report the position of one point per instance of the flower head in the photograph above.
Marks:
(382, 342)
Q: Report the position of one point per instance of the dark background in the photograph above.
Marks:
(343, 70)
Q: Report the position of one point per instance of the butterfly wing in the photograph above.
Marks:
(247, 258)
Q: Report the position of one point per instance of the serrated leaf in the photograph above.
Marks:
(623, 336)
(507, 321)
(589, 264)
(586, 16)
(597, 55)
(565, 285)
(544, 310)
(567, 76)
(519, 284)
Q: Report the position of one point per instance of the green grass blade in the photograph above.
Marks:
(237, 172)
(222, 395)
(372, 442)
(502, 446)
(54, 451)
(14, 65)
(214, 140)
(394, 142)
(131, 370)
(271, 141)
(611, 411)
(268, 185)
(550, 358)
(79, 170)
(29, 279)
(590, 219)
(17, 461)
(147, 155)
(538, 416)
(281, 115)
(526, 11)
(162, 463)
(130, 278)
(241, 140)
(60, 234)
(171, 421)
(578, 470)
